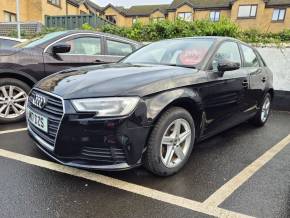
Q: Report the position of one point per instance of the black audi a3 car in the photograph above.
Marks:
(151, 107)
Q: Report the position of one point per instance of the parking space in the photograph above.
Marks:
(216, 176)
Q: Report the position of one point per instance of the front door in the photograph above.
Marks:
(224, 95)
(85, 50)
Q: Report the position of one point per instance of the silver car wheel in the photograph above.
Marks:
(265, 110)
(175, 143)
(12, 101)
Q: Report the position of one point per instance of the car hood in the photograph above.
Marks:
(117, 80)
(9, 51)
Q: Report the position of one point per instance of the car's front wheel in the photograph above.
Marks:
(170, 143)
(13, 94)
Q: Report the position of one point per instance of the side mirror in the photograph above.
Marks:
(227, 66)
(61, 48)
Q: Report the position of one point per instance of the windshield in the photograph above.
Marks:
(39, 40)
(176, 52)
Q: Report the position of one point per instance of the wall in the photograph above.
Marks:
(278, 60)
(121, 20)
(71, 9)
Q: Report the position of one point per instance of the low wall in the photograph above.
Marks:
(278, 60)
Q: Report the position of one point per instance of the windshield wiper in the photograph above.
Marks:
(180, 65)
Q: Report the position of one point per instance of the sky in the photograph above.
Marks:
(128, 3)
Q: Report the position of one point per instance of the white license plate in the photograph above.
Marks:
(37, 120)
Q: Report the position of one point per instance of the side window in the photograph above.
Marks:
(228, 51)
(251, 59)
(85, 46)
(119, 48)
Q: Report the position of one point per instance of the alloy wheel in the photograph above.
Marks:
(12, 101)
(265, 110)
(175, 143)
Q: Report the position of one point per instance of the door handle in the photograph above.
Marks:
(245, 84)
(98, 61)
(264, 79)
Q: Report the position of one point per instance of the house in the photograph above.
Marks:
(36, 10)
(263, 15)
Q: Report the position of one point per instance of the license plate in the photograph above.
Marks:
(37, 120)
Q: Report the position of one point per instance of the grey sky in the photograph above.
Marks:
(128, 3)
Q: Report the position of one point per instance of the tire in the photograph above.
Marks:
(155, 156)
(262, 116)
(20, 91)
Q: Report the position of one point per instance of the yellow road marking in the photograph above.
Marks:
(12, 130)
(228, 188)
(122, 185)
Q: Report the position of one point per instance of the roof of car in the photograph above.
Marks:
(70, 32)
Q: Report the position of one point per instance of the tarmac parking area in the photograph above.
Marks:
(244, 171)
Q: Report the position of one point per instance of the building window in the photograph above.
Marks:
(187, 16)
(134, 20)
(279, 14)
(112, 18)
(54, 2)
(9, 17)
(215, 16)
(156, 19)
(247, 11)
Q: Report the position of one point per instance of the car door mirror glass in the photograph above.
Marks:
(61, 48)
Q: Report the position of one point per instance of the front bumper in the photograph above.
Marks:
(84, 141)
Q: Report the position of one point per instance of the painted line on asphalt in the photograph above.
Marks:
(12, 131)
(232, 185)
(123, 185)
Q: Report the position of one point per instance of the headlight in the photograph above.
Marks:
(107, 107)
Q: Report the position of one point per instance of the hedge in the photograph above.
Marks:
(173, 29)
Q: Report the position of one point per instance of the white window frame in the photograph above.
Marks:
(182, 16)
(215, 16)
(252, 11)
(279, 18)
(11, 17)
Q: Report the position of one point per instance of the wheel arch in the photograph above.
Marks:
(22, 76)
(185, 98)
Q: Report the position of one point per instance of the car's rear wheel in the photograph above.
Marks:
(170, 143)
(262, 115)
(13, 94)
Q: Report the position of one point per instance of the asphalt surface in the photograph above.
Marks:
(31, 191)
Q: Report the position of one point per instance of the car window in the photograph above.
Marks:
(228, 51)
(85, 46)
(251, 59)
(4, 43)
(118, 48)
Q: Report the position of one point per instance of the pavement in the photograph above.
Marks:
(244, 171)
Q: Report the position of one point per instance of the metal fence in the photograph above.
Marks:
(75, 21)
(8, 29)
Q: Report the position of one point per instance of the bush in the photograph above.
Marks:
(173, 29)
(165, 29)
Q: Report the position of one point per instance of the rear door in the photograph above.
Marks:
(257, 77)
(85, 50)
(224, 95)
(116, 49)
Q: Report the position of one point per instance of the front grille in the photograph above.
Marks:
(53, 110)
(105, 154)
